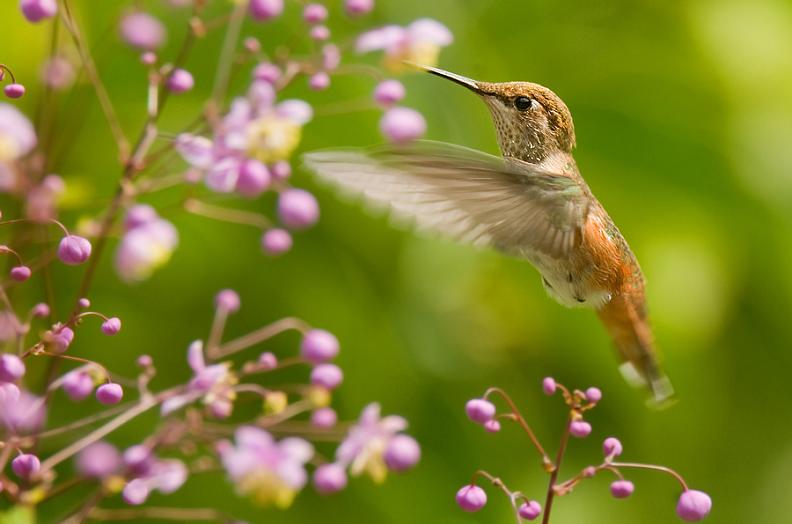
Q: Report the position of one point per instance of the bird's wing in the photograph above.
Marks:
(468, 195)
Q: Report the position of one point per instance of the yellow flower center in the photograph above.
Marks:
(273, 138)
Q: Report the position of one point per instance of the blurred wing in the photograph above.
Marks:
(468, 195)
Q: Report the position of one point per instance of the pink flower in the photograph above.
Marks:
(180, 81)
(163, 475)
(20, 412)
(17, 135)
(419, 42)
(74, 250)
(268, 471)
(479, 410)
(401, 125)
(471, 498)
(11, 367)
(329, 478)
(146, 246)
(99, 460)
(693, 505)
(142, 31)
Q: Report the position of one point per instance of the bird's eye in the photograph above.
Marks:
(523, 103)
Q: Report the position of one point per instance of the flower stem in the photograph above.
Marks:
(260, 335)
(554, 475)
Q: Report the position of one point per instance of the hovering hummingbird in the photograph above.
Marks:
(531, 203)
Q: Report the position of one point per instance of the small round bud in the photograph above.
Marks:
(26, 465)
(693, 505)
(319, 81)
(40, 310)
(315, 13)
(148, 58)
(74, 250)
(530, 510)
(281, 170)
(471, 498)
(111, 326)
(78, 385)
(329, 478)
(140, 214)
(579, 428)
(110, 393)
(621, 489)
(144, 361)
(83, 303)
(593, 395)
(389, 92)
(549, 386)
(298, 209)
(251, 44)
(328, 376)
(324, 418)
(268, 360)
(358, 7)
(492, 426)
(61, 339)
(135, 492)
(320, 33)
(38, 10)
(254, 178)
(267, 72)
(479, 410)
(142, 31)
(319, 346)
(263, 10)
(180, 81)
(99, 460)
(612, 447)
(227, 300)
(20, 273)
(401, 125)
(11, 368)
(589, 471)
(402, 453)
(276, 241)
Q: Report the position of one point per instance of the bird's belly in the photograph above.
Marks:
(570, 284)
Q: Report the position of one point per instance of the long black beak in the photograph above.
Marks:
(458, 79)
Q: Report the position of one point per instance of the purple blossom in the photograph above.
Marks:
(110, 393)
(420, 42)
(328, 376)
(26, 465)
(530, 510)
(319, 346)
(59, 338)
(99, 460)
(268, 471)
(693, 505)
(579, 428)
(621, 489)
(20, 412)
(14, 90)
(402, 453)
(329, 478)
(142, 31)
(146, 245)
(254, 178)
(479, 410)
(402, 124)
(267, 72)
(20, 273)
(471, 498)
(11, 368)
(364, 446)
(298, 209)
(612, 447)
(38, 10)
(163, 475)
(17, 135)
(492, 426)
(78, 385)
(111, 326)
(74, 250)
(180, 81)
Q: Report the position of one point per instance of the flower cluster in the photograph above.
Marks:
(225, 162)
(692, 505)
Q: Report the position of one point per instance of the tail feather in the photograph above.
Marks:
(633, 339)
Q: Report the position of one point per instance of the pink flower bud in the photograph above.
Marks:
(14, 90)
(99, 460)
(78, 385)
(268, 360)
(110, 393)
(593, 395)
(612, 447)
(389, 92)
(589, 471)
(492, 426)
(227, 300)
(324, 418)
(40, 310)
(621, 489)
(579, 428)
(26, 465)
(329, 478)
(328, 376)
(358, 7)
(479, 410)
(401, 125)
(267, 72)
(320, 33)
(263, 10)
(37, 10)
(319, 346)
(20, 273)
(74, 250)
(11, 368)
(254, 178)
(549, 386)
(402, 453)
(530, 510)
(61, 339)
(693, 505)
(142, 31)
(471, 498)
(276, 241)
(280, 170)
(319, 81)
(83, 303)
(180, 81)
(111, 326)
(144, 361)
(314, 13)
(298, 209)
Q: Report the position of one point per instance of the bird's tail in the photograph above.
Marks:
(629, 327)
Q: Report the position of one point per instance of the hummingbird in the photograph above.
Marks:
(531, 203)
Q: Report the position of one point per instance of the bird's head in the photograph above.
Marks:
(531, 121)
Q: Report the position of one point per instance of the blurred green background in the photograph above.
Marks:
(683, 112)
